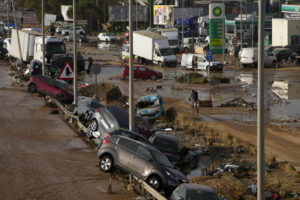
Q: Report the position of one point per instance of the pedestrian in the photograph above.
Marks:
(90, 64)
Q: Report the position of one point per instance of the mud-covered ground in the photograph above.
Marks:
(41, 156)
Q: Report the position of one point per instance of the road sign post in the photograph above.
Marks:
(96, 69)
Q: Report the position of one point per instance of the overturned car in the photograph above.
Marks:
(150, 107)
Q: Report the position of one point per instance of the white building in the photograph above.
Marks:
(285, 32)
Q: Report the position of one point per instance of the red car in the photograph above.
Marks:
(51, 87)
(141, 72)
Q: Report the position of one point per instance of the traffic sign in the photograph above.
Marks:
(67, 72)
(209, 55)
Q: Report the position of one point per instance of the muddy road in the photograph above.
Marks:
(41, 157)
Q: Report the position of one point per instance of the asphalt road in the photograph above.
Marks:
(40, 156)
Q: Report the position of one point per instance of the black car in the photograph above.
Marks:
(284, 54)
(167, 144)
(141, 160)
(60, 61)
(188, 191)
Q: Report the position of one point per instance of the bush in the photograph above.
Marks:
(170, 115)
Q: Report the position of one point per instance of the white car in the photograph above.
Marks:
(6, 44)
(202, 62)
(249, 56)
(106, 37)
(79, 31)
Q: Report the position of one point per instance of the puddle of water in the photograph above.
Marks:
(289, 93)
(109, 46)
(203, 163)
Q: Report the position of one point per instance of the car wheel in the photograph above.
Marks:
(93, 125)
(67, 33)
(106, 40)
(154, 182)
(274, 64)
(153, 77)
(81, 33)
(31, 88)
(106, 163)
(207, 68)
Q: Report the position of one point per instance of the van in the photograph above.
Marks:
(202, 62)
(249, 56)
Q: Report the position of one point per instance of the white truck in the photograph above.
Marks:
(154, 48)
(172, 35)
(31, 46)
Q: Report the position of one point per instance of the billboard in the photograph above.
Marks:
(64, 10)
(121, 13)
(49, 19)
(216, 27)
(168, 13)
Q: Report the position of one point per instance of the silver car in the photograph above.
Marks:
(141, 160)
(87, 106)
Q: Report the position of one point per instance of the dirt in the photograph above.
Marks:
(43, 158)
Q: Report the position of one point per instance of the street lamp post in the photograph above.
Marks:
(74, 53)
(131, 86)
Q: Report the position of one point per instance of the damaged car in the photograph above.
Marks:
(87, 106)
(150, 107)
(50, 87)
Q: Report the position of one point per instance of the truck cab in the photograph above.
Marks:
(54, 47)
(164, 56)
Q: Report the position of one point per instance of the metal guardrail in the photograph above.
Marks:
(68, 114)
(132, 181)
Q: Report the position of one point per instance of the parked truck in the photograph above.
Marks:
(149, 47)
(31, 43)
(31, 46)
(172, 35)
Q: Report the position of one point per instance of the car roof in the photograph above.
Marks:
(147, 146)
(204, 188)
(165, 136)
(120, 114)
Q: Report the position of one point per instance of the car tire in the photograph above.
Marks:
(106, 163)
(153, 77)
(207, 69)
(67, 33)
(154, 182)
(31, 88)
(274, 64)
(93, 125)
(106, 40)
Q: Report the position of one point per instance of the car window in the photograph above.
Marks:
(142, 69)
(161, 159)
(128, 144)
(201, 59)
(182, 192)
(143, 152)
(95, 104)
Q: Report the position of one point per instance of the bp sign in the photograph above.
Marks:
(216, 25)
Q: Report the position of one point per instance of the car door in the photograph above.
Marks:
(140, 161)
(124, 150)
(135, 72)
(143, 73)
(202, 63)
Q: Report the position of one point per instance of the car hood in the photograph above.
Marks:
(177, 174)
(147, 111)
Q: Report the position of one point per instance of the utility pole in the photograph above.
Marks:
(223, 34)
(74, 52)
(150, 13)
(43, 35)
(182, 25)
(136, 19)
(241, 25)
(8, 7)
(260, 107)
(252, 26)
(131, 86)
(17, 29)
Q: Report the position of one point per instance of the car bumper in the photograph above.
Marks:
(172, 63)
